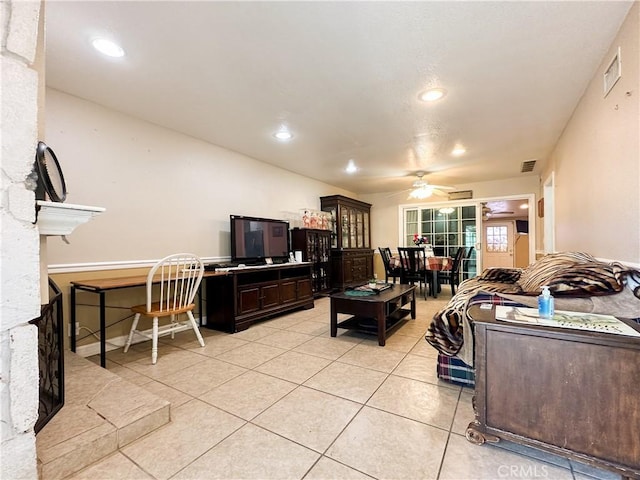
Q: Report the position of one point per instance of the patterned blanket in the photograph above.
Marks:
(568, 274)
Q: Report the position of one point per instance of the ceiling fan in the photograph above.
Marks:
(421, 189)
(489, 212)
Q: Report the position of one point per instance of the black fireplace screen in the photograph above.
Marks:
(50, 357)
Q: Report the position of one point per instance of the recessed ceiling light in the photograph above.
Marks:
(284, 135)
(432, 94)
(108, 47)
(458, 150)
(524, 206)
(351, 167)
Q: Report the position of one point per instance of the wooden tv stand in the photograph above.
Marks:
(574, 393)
(247, 295)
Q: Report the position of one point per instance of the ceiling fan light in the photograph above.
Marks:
(421, 193)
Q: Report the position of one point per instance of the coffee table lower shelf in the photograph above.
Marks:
(370, 324)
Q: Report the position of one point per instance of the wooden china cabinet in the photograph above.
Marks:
(351, 253)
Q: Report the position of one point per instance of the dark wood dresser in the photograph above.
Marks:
(574, 393)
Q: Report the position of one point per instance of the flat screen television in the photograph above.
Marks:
(522, 227)
(255, 239)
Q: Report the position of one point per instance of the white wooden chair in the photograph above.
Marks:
(177, 278)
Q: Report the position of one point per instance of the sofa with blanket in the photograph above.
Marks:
(578, 281)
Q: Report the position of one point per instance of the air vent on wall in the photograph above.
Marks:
(461, 195)
(528, 166)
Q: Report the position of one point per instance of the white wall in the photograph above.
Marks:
(597, 161)
(163, 191)
(19, 247)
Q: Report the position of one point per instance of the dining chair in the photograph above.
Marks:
(412, 264)
(466, 262)
(176, 279)
(389, 271)
(453, 275)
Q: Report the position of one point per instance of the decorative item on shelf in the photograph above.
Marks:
(420, 240)
(315, 219)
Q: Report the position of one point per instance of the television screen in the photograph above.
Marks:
(254, 239)
(522, 227)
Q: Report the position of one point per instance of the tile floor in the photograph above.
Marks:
(285, 400)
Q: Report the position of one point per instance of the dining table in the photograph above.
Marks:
(434, 264)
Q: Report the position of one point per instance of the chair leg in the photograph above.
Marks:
(194, 325)
(154, 341)
(173, 324)
(133, 328)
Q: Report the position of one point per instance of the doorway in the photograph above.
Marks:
(498, 245)
(453, 224)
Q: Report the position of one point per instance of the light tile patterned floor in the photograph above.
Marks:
(285, 400)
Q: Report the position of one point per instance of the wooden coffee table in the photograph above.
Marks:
(378, 313)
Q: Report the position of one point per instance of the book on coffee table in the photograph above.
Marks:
(565, 319)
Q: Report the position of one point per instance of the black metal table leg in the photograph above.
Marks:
(103, 332)
(72, 321)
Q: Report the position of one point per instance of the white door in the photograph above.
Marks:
(498, 245)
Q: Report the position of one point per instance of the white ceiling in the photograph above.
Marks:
(344, 76)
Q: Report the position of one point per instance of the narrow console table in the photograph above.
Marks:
(574, 393)
(249, 294)
(383, 311)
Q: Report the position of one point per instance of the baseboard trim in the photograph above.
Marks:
(116, 343)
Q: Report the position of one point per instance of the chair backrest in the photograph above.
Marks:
(179, 276)
(412, 259)
(457, 260)
(385, 253)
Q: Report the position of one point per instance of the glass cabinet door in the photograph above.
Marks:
(344, 214)
(334, 226)
(366, 230)
(352, 229)
(350, 222)
(359, 230)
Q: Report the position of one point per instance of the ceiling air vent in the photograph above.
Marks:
(528, 166)
(461, 195)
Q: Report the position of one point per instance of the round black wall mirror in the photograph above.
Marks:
(50, 176)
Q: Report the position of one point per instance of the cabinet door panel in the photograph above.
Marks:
(304, 289)
(288, 291)
(248, 300)
(270, 295)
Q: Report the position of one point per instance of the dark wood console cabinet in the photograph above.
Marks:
(351, 253)
(247, 295)
(574, 393)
